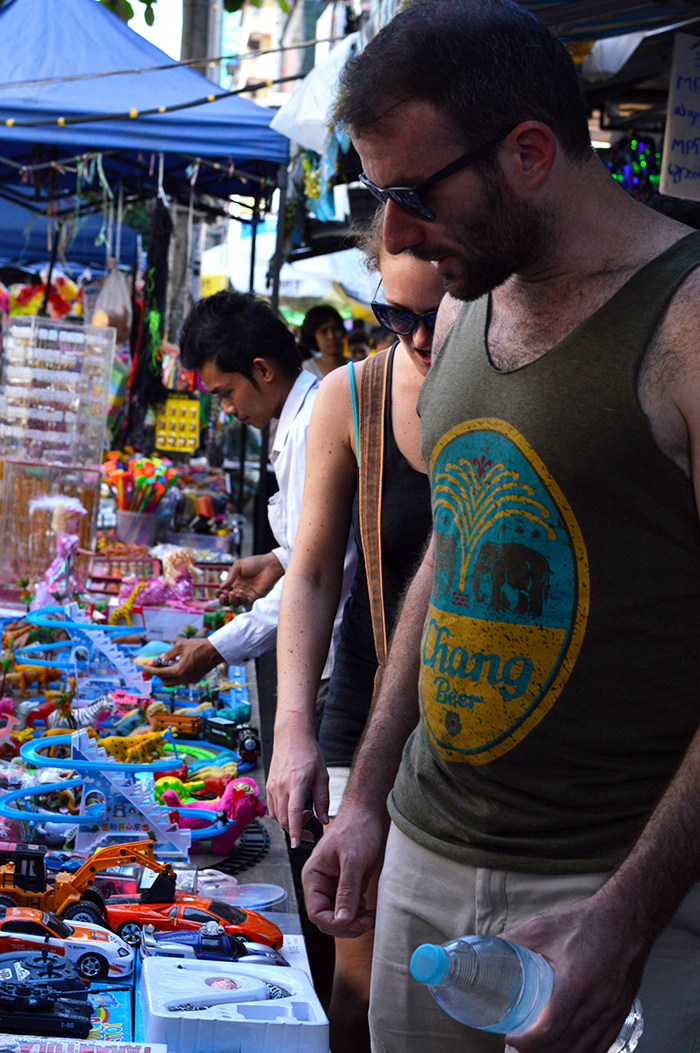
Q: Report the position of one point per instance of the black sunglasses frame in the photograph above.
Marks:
(412, 320)
(408, 197)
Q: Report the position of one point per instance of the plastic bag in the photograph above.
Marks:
(113, 306)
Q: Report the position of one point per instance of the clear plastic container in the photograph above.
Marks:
(491, 984)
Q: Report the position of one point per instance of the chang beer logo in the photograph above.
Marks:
(510, 594)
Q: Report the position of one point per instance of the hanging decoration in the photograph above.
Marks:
(635, 162)
(146, 387)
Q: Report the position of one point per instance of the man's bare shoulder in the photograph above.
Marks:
(449, 309)
(676, 344)
(669, 380)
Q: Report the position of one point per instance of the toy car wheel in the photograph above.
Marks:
(130, 932)
(93, 966)
(84, 912)
(7, 901)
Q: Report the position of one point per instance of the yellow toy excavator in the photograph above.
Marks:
(23, 880)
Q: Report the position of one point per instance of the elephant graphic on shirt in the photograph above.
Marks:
(445, 544)
(523, 569)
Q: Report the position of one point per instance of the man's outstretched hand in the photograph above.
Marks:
(194, 659)
(598, 960)
(337, 874)
(250, 579)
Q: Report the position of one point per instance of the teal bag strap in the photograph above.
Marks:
(355, 409)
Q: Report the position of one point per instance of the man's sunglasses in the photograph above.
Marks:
(409, 197)
(402, 321)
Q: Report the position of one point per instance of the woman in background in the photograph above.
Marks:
(321, 339)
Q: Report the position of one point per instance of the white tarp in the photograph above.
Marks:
(304, 119)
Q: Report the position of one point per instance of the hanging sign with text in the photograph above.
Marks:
(680, 167)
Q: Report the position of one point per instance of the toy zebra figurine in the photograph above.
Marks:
(83, 717)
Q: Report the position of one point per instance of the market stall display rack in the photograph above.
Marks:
(54, 391)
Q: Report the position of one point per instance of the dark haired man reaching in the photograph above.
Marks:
(245, 354)
(548, 647)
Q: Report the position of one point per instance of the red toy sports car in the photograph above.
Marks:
(126, 915)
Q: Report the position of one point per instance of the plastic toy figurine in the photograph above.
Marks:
(41, 675)
(241, 803)
(61, 582)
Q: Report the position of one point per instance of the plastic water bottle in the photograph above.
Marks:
(489, 983)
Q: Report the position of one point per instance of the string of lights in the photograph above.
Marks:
(133, 112)
(210, 61)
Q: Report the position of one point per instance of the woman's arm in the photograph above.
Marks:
(310, 597)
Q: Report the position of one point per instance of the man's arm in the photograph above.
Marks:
(248, 636)
(599, 947)
(337, 873)
(251, 578)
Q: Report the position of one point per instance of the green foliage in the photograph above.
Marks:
(124, 9)
(120, 7)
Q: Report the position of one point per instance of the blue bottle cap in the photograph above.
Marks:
(429, 963)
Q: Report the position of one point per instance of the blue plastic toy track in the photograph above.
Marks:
(29, 752)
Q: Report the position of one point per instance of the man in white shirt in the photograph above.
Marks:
(245, 354)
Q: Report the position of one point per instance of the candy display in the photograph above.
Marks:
(177, 424)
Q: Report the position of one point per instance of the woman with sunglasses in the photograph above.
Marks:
(412, 293)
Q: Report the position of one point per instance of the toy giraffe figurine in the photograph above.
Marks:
(125, 610)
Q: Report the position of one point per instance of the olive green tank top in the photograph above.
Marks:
(559, 683)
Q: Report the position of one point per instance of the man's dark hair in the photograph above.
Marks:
(232, 329)
(485, 64)
(314, 319)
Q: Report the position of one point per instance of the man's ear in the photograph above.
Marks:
(263, 370)
(530, 151)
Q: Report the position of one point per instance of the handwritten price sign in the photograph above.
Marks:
(680, 167)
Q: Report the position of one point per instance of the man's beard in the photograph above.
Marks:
(500, 239)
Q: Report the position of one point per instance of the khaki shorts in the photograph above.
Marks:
(426, 898)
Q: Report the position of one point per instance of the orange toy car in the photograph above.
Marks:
(126, 915)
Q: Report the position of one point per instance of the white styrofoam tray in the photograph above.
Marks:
(223, 1007)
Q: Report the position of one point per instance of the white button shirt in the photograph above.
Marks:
(255, 631)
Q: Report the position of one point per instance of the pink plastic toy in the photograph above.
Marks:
(241, 803)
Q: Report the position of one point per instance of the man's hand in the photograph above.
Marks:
(250, 579)
(598, 961)
(195, 658)
(337, 874)
(297, 766)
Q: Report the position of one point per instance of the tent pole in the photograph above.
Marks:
(253, 240)
(43, 312)
(279, 242)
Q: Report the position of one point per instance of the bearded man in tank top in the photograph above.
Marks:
(536, 726)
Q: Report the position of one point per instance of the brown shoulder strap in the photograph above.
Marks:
(372, 412)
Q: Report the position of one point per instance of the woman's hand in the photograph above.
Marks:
(297, 766)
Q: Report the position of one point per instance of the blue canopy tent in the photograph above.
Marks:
(24, 240)
(222, 147)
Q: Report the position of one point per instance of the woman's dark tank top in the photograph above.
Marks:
(406, 523)
(559, 683)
